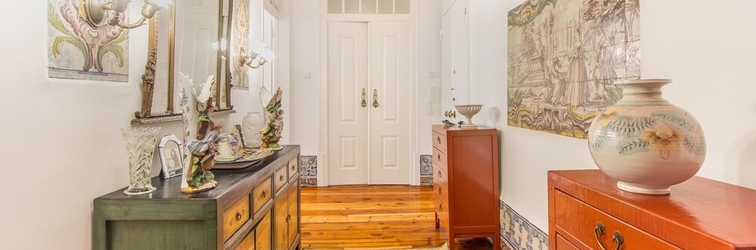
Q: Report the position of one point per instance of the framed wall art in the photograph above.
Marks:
(563, 58)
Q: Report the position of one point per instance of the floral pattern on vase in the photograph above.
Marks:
(252, 124)
(644, 142)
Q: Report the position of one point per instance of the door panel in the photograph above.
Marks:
(390, 158)
(347, 119)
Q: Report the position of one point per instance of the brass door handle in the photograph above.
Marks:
(600, 230)
(375, 98)
(364, 101)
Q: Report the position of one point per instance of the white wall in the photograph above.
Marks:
(706, 47)
(62, 145)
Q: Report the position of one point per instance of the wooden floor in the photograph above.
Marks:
(373, 216)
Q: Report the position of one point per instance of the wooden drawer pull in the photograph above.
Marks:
(281, 178)
(600, 230)
(238, 216)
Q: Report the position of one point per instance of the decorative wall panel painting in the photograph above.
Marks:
(240, 44)
(563, 58)
(77, 50)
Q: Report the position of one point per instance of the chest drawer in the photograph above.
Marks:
(235, 216)
(261, 195)
(439, 158)
(279, 178)
(439, 141)
(293, 167)
(581, 221)
(441, 192)
(440, 176)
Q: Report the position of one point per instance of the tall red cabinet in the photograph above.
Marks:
(466, 182)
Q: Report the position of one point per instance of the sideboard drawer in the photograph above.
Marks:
(439, 141)
(563, 244)
(293, 167)
(235, 216)
(580, 220)
(280, 178)
(261, 195)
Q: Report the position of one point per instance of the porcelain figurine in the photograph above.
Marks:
(271, 134)
(202, 144)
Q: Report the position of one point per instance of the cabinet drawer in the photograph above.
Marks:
(279, 179)
(440, 176)
(235, 216)
(442, 192)
(577, 219)
(248, 243)
(293, 167)
(261, 195)
(442, 211)
(263, 233)
(439, 158)
(439, 141)
(563, 244)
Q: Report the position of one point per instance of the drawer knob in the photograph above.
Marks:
(238, 216)
(439, 157)
(263, 194)
(439, 174)
(281, 178)
(440, 207)
(600, 230)
(439, 190)
(438, 139)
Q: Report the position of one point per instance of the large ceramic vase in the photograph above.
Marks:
(644, 142)
(140, 147)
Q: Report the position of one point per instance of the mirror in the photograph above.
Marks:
(190, 37)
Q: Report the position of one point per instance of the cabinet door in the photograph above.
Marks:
(293, 215)
(262, 234)
(280, 224)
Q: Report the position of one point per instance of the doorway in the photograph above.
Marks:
(369, 86)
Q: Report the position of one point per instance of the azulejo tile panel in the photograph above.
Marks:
(426, 170)
(518, 233)
(308, 170)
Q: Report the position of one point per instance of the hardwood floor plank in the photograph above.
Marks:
(373, 217)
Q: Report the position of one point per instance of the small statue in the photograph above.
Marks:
(202, 149)
(271, 134)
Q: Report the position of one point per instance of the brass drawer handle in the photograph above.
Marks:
(439, 157)
(438, 139)
(281, 178)
(263, 194)
(600, 230)
(439, 174)
(440, 207)
(439, 190)
(238, 216)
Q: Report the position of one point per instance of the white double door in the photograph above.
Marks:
(369, 89)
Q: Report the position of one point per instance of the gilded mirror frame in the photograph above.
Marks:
(171, 113)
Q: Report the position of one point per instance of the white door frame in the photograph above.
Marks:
(413, 19)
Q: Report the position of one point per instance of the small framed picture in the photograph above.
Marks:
(171, 156)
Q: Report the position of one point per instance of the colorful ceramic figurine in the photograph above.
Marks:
(271, 134)
(202, 147)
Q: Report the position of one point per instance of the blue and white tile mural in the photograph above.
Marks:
(518, 233)
(426, 170)
(308, 170)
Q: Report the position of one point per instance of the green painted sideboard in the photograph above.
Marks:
(257, 207)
